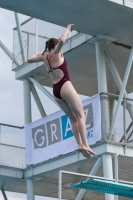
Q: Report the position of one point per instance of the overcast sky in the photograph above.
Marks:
(11, 101)
(11, 90)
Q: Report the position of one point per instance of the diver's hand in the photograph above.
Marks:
(69, 26)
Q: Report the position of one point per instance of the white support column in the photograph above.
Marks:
(93, 172)
(102, 87)
(28, 119)
(5, 49)
(4, 194)
(36, 35)
(50, 96)
(129, 65)
(117, 79)
(27, 101)
(108, 172)
(37, 100)
(60, 186)
(20, 36)
(116, 170)
(30, 189)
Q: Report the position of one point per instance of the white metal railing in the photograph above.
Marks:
(12, 146)
(84, 177)
(33, 38)
(124, 124)
(29, 46)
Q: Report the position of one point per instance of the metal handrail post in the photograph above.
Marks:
(20, 36)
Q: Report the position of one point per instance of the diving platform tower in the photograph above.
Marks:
(99, 53)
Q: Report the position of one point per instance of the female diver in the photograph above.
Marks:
(63, 90)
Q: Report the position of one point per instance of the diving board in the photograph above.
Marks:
(90, 17)
(105, 186)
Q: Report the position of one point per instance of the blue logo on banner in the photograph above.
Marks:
(89, 134)
(66, 127)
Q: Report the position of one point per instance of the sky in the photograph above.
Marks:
(11, 90)
(11, 98)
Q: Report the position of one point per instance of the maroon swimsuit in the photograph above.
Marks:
(57, 87)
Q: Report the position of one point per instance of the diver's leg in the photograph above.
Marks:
(70, 96)
(63, 105)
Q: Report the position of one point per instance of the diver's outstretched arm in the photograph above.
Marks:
(63, 39)
(35, 58)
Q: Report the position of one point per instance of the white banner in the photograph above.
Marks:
(52, 136)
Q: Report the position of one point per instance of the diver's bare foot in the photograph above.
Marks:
(87, 149)
(90, 151)
(85, 153)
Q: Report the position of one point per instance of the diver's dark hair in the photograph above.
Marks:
(50, 44)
